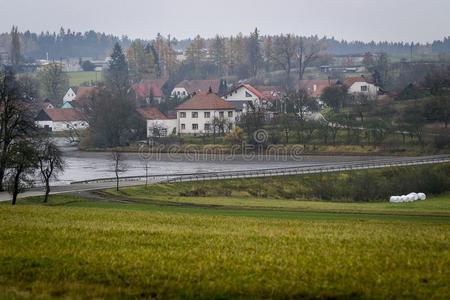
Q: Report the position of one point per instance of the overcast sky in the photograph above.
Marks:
(393, 20)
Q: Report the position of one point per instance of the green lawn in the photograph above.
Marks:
(75, 248)
(79, 78)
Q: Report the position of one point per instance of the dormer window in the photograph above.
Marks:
(364, 88)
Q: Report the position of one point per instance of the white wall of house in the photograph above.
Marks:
(368, 89)
(189, 124)
(180, 92)
(242, 94)
(62, 126)
(69, 96)
(165, 127)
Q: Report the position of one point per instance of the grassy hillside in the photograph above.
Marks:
(80, 249)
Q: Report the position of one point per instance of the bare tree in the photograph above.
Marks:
(16, 120)
(300, 103)
(22, 164)
(119, 166)
(283, 54)
(308, 52)
(50, 162)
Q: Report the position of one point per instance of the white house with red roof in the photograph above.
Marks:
(245, 98)
(188, 88)
(60, 119)
(196, 116)
(362, 85)
(158, 124)
(315, 88)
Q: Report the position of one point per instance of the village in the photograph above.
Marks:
(280, 149)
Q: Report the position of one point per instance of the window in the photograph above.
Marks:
(230, 114)
(67, 125)
(195, 115)
(221, 114)
(163, 132)
(230, 126)
(364, 88)
(184, 93)
(207, 127)
(248, 95)
(194, 126)
(182, 114)
(207, 114)
(183, 126)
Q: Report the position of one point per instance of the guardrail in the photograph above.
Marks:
(287, 171)
(308, 170)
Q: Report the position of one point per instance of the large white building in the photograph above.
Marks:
(196, 116)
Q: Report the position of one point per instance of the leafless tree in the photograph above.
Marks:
(308, 52)
(16, 119)
(119, 166)
(50, 162)
(22, 164)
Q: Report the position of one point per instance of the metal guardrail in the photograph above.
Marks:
(308, 170)
(287, 171)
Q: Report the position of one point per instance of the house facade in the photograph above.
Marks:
(362, 86)
(197, 115)
(60, 119)
(70, 95)
(245, 98)
(158, 124)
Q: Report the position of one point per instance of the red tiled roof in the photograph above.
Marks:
(85, 92)
(348, 82)
(253, 90)
(315, 88)
(143, 89)
(63, 114)
(250, 88)
(270, 93)
(205, 102)
(199, 86)
(151, 113)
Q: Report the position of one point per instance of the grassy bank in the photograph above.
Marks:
(375, 185)
(75, 248)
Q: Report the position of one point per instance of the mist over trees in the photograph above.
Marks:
(69, 44)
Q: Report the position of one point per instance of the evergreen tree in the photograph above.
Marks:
(116, 75)
(254, 52)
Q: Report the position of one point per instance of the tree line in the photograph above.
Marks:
(71, 44)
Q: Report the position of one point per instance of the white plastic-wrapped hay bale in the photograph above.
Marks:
(393, 199)
(422, 196)
(414, 196)
(403, 198)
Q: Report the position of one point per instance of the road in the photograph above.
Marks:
(305, 168)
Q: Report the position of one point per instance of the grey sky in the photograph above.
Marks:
(394, 20)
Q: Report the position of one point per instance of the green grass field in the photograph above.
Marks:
(257, 248)
(79, 78)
